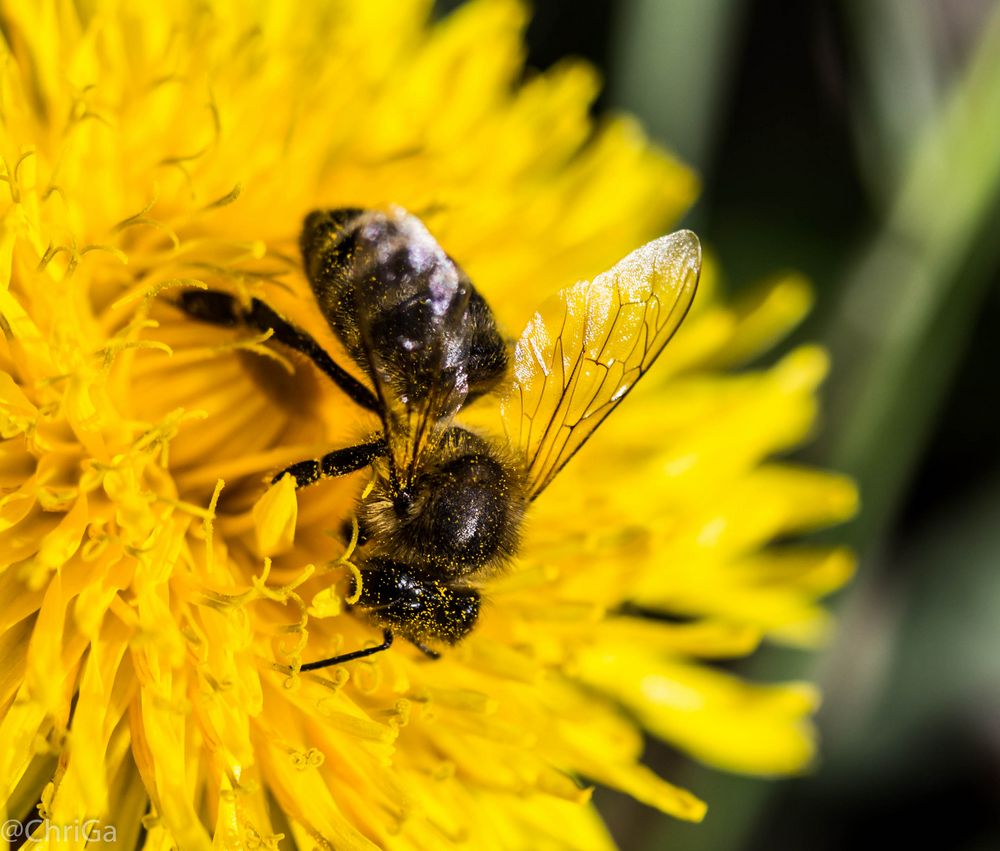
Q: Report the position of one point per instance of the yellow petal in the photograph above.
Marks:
(275, 516)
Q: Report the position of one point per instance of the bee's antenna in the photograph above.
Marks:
(350, 657)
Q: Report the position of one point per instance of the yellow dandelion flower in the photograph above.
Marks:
(157, 598)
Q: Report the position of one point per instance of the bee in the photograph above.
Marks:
(447, 504)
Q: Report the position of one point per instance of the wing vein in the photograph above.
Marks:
(609, 334)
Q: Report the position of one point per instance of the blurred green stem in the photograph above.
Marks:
(909, 302)
(898, 88)
(670, 62)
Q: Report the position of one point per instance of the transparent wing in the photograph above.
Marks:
(421, 390)
(410, 304)
(588, 345)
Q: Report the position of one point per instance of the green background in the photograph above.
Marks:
(859, 142)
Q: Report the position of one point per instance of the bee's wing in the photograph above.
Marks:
(587, 346)
(420, 384)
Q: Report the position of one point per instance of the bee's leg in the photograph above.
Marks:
(430, 653)
(340, 462)
(221, 308)
(350, 657)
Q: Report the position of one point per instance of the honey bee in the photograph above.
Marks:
(447, 504)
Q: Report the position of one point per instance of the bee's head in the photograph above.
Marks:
(421, 608)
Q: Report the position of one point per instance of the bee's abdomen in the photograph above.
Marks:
(382, 282)
(488, 355)
(323, 242)
(393, 296)
(329, 244)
